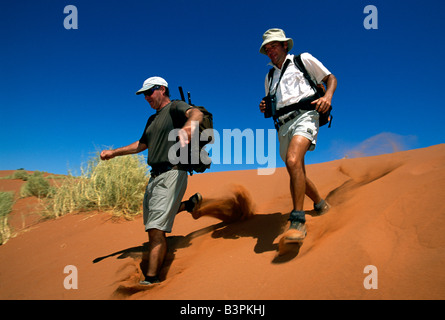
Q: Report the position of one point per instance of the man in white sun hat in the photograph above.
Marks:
(168, 183)
(292, 101)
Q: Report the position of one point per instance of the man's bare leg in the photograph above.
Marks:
(300, 185)
(157, 252)
(192, 205)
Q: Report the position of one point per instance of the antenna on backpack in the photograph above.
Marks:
(188, 96)
(182, 94)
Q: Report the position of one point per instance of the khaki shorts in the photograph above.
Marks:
(306, 124)
(162, 199)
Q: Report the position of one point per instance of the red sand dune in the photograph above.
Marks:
(386, 212)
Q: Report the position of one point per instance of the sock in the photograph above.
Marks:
(189, 205)
(298, 216)
(152, 279)
(320, 205)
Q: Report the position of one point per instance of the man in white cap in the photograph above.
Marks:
(168, 183)
(292, 98)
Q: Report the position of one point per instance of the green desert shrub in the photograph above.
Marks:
(116, 185)
(20, 174)
(6, 202)
(37, 186)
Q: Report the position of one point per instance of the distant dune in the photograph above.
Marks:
(387, 212)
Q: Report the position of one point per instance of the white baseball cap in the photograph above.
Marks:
(151, 82)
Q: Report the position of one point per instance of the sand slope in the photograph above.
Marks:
(387, 212)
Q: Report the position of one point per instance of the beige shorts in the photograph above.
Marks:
(306, 124)
(162, 199)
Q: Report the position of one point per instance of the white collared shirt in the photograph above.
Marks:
(293, 85)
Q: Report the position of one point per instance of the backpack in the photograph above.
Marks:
(319, 89)
(204, 161)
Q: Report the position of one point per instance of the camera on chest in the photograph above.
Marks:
(271, 103)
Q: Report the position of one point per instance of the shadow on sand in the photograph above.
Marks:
(264, 228)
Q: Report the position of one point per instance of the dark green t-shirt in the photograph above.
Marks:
(156, 132)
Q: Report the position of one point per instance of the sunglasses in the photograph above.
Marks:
(149, 92)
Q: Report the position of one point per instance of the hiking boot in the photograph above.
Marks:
(193, 204)
(321, 208)
(149, 280)
(296, 233)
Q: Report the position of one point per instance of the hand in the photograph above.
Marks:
(186, 133)
(184, 136)
(107, 155)
(322, 104)
(263, 106)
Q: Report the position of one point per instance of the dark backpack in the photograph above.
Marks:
(319, 89)
(204, 161)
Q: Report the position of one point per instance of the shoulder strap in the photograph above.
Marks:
(299, 63)
(271, 72)
(270, 75)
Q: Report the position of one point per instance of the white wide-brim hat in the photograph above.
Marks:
(151, 82)
(272, 35)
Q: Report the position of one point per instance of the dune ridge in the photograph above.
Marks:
(386, 212)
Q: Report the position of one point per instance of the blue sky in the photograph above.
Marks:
(65, 94)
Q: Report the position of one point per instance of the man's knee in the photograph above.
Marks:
(296, 152)
(156, 236)
(293, 163)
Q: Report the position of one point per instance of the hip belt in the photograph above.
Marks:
(298, 108)
(287, 118)
(159, 169)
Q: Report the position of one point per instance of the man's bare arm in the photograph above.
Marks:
(133, 148)
(324, 103)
